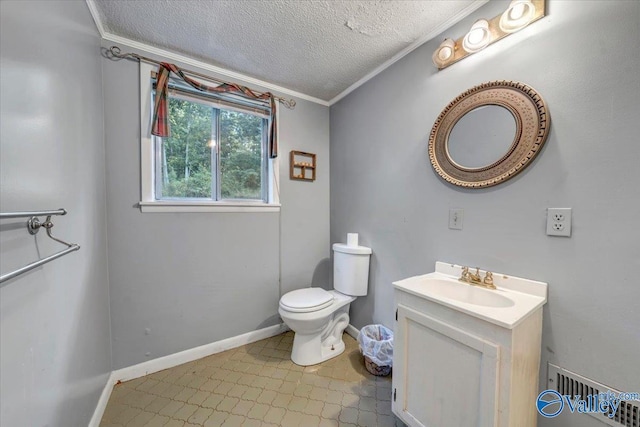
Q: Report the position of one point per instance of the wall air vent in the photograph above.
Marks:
(568, 383)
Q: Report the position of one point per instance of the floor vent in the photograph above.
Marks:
(569, 383)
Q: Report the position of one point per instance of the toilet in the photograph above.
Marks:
(319, 317)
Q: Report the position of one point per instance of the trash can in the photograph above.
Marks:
(376, 344)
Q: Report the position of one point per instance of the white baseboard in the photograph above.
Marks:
(166, 362)
(352, 331)
(102, 402)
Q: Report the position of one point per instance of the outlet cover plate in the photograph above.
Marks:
(559, 222)
(456, 216)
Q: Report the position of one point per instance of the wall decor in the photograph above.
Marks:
(302, 166)
(488, 134)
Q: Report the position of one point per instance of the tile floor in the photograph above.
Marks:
(256, 385)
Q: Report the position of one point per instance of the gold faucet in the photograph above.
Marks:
(475, 278)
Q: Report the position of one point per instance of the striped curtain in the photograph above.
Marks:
(161, 126)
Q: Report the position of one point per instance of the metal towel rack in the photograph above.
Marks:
(33, 226)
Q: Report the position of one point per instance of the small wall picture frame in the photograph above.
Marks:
(302, 166)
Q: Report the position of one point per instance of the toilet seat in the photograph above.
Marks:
(306, 300)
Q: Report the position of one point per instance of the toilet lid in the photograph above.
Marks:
(305, 300)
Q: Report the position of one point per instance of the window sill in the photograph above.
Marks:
(170, 206)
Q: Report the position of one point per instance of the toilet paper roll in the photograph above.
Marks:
(352, 239)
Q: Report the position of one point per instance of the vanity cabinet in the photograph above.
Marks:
(452, 369)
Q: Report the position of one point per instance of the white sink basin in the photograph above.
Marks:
(463, 292)
(513, 300)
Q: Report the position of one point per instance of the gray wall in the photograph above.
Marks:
(55, 353)
(578, 59)
(180, 280)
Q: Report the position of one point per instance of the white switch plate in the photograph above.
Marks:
(559, 222)
(455, 218)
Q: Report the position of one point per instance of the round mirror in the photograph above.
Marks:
(488, 134)
(482, 137)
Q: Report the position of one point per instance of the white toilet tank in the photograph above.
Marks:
(351, 269)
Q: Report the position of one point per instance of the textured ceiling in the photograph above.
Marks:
(318, 48)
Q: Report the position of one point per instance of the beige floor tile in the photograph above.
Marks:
(171, 391)
(138, 399)
(303, 390)
(258, 411)
(223, 388)
(350, 400)
(313, 407)
(171, 408)
(157, 421)
(200, 416)
(125, 416)
(267, 396)
(227, 404)
(273, 384)
(274, 415)
(212, 401)
(147, 385)
(309, 420)
(348, 415)
(234, 421)
(198, 397)
(297, 403)
(216, 419)
(328, 423)
(141, 419)
(247, 379)
(334, 397)
(210, 385)
(243, 407)
(252, 393)
(251, 423)
(185, 412)
(237, 390)
(157, 404)
(291, 419)
(331, 411)
(185, 394)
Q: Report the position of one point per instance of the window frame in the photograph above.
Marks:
(148, 153)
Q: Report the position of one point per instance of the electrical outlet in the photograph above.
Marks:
(559, 222)
(455, 218)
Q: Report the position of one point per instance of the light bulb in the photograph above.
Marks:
(478, 37)
(517, 16)
(516, 11)
(444, 53)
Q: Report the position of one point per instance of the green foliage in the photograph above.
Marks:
(187, 159)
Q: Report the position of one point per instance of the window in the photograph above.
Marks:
(216, 158)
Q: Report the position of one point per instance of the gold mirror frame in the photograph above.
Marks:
(532, 128)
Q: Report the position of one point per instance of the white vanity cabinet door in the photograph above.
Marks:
(443, 376)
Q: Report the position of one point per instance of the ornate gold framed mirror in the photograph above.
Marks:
(488, 134)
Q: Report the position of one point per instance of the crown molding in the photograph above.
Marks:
(93, 9)
(106, 35)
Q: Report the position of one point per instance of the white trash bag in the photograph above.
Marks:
(376, 343)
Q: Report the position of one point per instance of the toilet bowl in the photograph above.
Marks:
(319, 317)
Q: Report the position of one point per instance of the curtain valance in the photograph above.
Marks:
(160, 125)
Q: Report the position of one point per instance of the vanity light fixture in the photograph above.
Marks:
(484, 32)
(478, 37)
